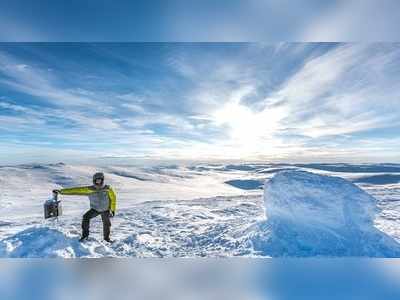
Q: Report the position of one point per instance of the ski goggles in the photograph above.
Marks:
(98, 181)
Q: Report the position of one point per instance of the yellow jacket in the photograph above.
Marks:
(100, 199)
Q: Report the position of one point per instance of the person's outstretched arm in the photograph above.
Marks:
(113, 200)
(79, 191)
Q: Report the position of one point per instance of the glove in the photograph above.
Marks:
(56, 191)
(112, 214)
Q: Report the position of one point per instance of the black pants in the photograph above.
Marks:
(105, 217)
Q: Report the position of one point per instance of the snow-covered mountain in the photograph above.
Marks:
(163, 211)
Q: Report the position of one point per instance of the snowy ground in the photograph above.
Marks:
(166, 211)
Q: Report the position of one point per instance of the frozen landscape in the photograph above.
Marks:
(208, 210)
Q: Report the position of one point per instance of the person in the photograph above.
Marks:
(102, 202)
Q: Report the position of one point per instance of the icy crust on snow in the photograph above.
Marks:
(318, 215)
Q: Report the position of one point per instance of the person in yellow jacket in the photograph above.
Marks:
(102, 202)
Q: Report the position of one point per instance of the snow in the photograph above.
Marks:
(41, 242)
(318, 215)
(196, 228)
(245, 184)
(210, 210)
(379, 179)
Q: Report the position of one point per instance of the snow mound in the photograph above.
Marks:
(37, 242)
(317, 215)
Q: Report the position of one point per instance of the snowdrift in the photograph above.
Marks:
(36, 242)
(317, 215)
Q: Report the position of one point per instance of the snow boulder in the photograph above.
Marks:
(317, 215)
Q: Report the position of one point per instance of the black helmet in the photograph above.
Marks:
(98, 175)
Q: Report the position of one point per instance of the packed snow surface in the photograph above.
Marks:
(207, 210)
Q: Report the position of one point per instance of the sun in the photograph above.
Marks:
(245, 125)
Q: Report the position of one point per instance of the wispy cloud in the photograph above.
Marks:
(214, 101)
(37, 82)
(342, 92)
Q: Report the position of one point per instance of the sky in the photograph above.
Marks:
(206, 20)
(291, 102)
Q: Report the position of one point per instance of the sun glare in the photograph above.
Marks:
(246, 126)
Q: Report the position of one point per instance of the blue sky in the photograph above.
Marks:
(199, 101)
(150, 20)
(205, 20)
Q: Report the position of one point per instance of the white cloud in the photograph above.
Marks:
(222, 112)
(345, 91)
(38, 82)
(336, 93)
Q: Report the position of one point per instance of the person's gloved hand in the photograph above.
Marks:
(56, 191)
(112, 213)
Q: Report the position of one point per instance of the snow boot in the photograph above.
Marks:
(83, 238)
